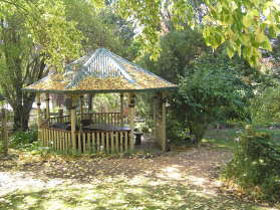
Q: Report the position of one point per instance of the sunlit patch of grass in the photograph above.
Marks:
(120, 193)
(221, 138)
(225, 138)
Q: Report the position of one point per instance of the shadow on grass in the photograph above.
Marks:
(120, 193)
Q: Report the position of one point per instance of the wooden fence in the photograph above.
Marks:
(86, 141)
(112, 118)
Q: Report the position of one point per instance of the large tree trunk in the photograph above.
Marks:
(22, 109)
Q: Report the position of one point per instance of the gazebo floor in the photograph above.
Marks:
(148, 144)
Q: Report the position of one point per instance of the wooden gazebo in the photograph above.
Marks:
(87, 131)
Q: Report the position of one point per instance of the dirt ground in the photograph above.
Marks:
(198, 167)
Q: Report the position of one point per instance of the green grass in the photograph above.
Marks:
(138, 193)
(221, 138)
(224, 138)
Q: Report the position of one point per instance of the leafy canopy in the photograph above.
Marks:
(243, 26)
(45, 23)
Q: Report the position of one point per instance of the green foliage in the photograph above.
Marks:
(218, 87)
(265, 107)
(99, 26)
(244, 27)
(255, 166)
(179, 50)
(211, 91)
(22, 139)
(106, 102)
(45, 24)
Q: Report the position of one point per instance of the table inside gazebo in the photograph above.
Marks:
(105, 127)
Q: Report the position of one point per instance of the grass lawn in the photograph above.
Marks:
(225, 138)
(221, 138)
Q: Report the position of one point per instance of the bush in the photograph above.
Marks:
(20, 138)
(265, 108)
(255, 166)
(210, 92)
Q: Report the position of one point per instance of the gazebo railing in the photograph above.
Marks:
(85, 141)
(112, 118)
(59, 119)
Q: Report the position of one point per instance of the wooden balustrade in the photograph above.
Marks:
(86, 141)
(59, 119)
(112, 118)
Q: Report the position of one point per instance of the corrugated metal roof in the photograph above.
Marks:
(101, 71)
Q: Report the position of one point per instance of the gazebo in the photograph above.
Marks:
(88, 131)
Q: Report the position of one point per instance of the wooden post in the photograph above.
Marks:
(73, 124)
(47, 106)
(162, 121)
(45, 114)
(4, 132)
(90, 96)
(38, 115)
(155, 129)
(81, 108)
(131, 118)
(60, 115)
(38, 110)
(121, 109)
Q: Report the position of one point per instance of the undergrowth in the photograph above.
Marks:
(255, 166)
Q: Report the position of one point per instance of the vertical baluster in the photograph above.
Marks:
(97, 141)
(79, 142)
(117, 138)
(54, 139)
(88, 142)
(107, 142)
(65, 140)
(93, 142)
(69, 142)
(112, 142)
(84, 142)
(121, 141)
(102, 142)
(49, 138)
(61, 140)
(57, 139)
(126, 141)
(42, 136)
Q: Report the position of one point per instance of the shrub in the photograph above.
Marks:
(210, 92)
(21, 138)
(255, 166)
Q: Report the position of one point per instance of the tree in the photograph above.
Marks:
(178, 50)
(210, 92)
(244, 27)
(33, 35)
(46, 34)
(90, 21)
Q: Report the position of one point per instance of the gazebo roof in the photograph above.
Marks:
(101, 71)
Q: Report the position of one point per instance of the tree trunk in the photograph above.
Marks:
(22, 109)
